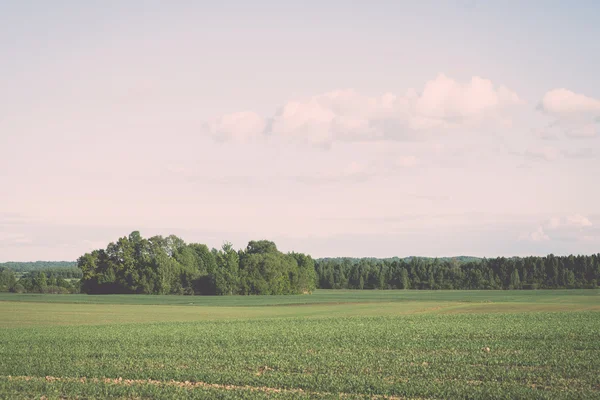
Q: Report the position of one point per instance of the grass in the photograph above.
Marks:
(577, 296)
(368, 344)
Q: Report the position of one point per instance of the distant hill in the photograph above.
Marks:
(37, 265)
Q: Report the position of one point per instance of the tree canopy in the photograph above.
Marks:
(169, 265)
(549, 272)
(160, 265)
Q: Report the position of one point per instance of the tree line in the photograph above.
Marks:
(549, 272)
(169, 265)
(29, 266)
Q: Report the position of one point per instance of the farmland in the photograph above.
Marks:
(361, 344)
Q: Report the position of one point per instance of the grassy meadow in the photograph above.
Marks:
(331, 344)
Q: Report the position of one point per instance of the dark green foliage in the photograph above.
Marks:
(170, 266)
(266, 270)
(306, 277)
(44, 282)
(37, 279)
(550, 272)
(167, 265)
(515, 280)
(7, 280)
(226, 276)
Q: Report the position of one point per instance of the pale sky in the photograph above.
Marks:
(334, 128)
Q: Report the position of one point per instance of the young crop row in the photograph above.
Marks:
(531, 355)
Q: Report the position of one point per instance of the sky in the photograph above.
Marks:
(334, 128)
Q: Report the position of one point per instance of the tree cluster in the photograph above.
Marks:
(8, 279)
(37, 282)
(550, 272)
(29, 266)
(168, 265)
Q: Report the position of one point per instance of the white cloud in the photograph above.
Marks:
(569, 221)
(446, 99)
(565, 102)
(539, 235)
(569, 227)
(578, 220)
(240, 126)
(554, 222)
(345, 115)
(576, 115)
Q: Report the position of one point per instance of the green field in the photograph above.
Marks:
(331, 344)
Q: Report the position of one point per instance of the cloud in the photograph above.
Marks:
(569, 227)
(448, 100)
(575, 115)
(539, 235)
(577, 220)
(565, 102)
(551, 153)
(240, 126)
(547, 153)
(573, 221)
(346, 115)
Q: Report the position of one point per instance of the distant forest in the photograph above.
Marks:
(38, 265)
(168, 265)
(550, 272)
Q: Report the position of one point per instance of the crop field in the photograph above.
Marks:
(331, 344)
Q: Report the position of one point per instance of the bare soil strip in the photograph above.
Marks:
(192, 385)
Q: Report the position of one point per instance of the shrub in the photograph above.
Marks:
(18, 288)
